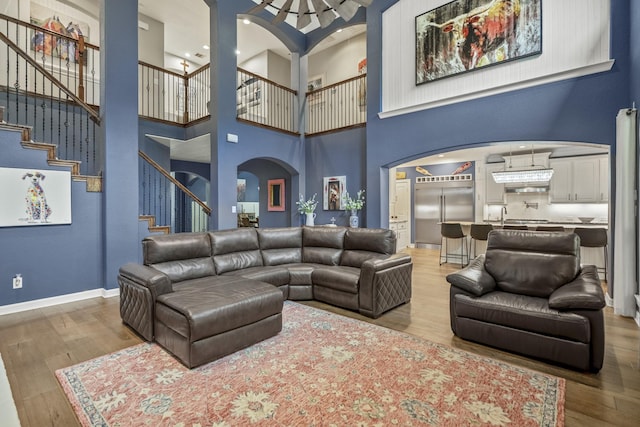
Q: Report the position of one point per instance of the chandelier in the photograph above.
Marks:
(325, 11)
(535, 174)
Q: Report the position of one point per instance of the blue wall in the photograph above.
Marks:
(337, 154)
(581, 109)
(53, 259)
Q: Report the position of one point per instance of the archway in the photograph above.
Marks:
(264, 170)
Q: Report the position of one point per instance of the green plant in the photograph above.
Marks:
(307, 206)
(354, 204)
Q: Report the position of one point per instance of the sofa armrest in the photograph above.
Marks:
(157, 282)
(583, 293)
(379, 264)
(384, 284)
(139, 288)
(473, 278)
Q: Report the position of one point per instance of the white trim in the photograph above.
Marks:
(62, 299)
(637, 317)
(608, 300)
(578, 72)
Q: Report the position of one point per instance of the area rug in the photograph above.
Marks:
(323, 369)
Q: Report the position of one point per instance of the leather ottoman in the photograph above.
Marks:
(209, 319)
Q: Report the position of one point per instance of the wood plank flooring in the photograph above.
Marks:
(34, 344)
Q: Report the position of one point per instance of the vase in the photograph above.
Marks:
(310, 219)
(353, 219)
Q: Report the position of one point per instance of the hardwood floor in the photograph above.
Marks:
(36, 343)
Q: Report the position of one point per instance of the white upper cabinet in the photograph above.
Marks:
(579, 180)
(494, 193)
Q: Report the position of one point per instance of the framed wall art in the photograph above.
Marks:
(276, 195)
(466, 35)
(333, 192)
(50, 45)
(34, 197)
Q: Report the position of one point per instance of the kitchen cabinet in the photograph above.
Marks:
(494, 193)
(579, 180)
(402, 234)
(604, 178)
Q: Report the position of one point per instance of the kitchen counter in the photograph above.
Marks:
(551, 223)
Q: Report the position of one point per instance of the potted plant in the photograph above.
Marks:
(354, 205)
(308, 207)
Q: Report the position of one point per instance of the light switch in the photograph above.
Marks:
(231, 137)
(233, 209)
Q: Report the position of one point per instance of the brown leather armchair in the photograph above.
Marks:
(528, 294)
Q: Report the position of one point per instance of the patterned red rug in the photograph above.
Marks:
(322, 369)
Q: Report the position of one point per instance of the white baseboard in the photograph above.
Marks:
(62, 299)
(608, 300)
(637, 317)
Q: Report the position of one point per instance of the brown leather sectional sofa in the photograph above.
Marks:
(529, 294)
(205, 295)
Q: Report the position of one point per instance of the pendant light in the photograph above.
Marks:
(533, 175)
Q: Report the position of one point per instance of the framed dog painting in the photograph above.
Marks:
(34, 197)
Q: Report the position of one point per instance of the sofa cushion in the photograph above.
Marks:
(280, 245)
(235, 249)
(274, 275)
(174, 247)
(340, 278)
(361, 244)
(523, 312)
(532, 263)
(322, 245)
(225, 304)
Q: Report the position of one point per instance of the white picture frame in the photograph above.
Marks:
(33, 197)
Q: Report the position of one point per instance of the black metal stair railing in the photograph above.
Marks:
(169, 201)
(49, 84)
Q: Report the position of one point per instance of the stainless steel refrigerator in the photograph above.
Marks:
(437, 202)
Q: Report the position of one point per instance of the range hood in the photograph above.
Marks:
(526, 188)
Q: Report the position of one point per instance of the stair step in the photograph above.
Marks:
(93, 183)
(151, 220)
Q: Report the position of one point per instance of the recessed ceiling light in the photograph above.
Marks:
(441, 155)
(187, 54)
(523, 146)
(339, 30)
(245, 21)
(205, 46)
(237, 52)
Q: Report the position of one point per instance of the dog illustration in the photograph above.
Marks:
(38, 209)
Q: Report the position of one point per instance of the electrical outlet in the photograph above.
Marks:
(17, 281)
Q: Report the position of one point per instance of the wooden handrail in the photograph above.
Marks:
(331, 86)
(177, 183)
(94, 116)
(249, 73)
(44, 30)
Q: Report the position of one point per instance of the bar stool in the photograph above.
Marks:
(453, 230)
(550, 228)
(479, 232)
(594, 238)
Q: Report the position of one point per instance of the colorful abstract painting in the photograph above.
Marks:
(465, 35)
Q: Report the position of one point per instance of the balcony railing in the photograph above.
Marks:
(168, 96)
(264, 102)
(339, 106)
